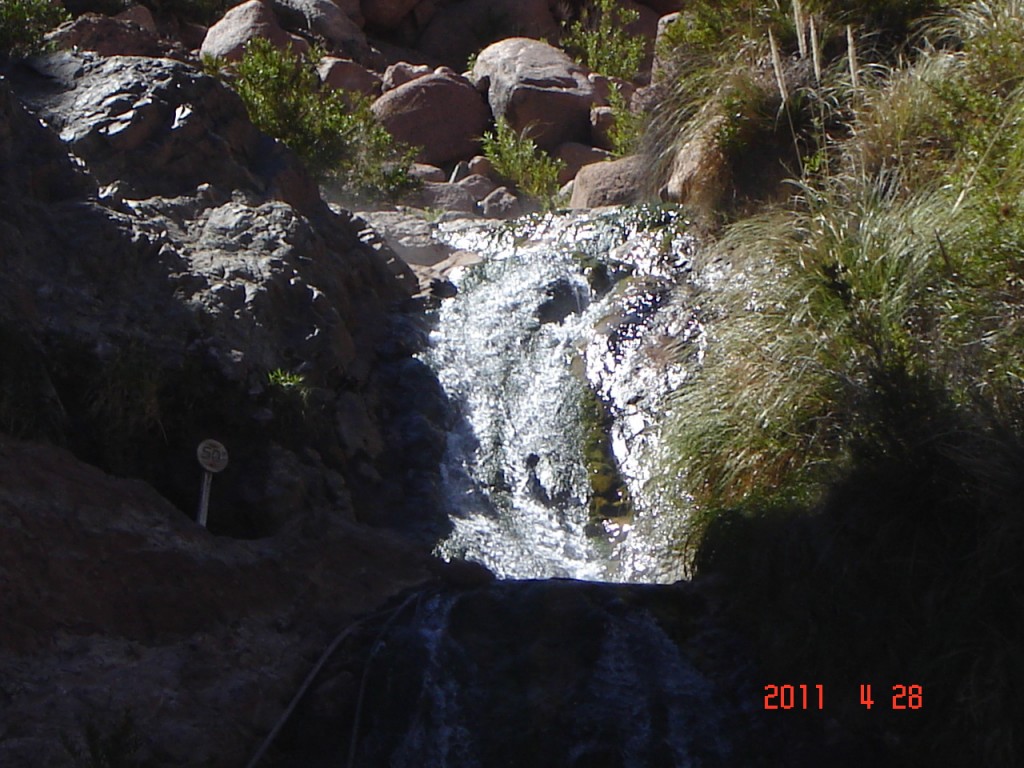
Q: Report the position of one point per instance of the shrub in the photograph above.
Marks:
(334, 132)
(600, 41)
(24, 22)
(517, 158)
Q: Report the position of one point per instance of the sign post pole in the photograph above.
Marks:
(213, 457)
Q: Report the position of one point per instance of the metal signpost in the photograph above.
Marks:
(213, 457)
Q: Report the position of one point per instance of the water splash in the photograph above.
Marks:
(561, 303)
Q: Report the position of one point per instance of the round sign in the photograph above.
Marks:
(213, 456)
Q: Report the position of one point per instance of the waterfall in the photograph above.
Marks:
(563, 308)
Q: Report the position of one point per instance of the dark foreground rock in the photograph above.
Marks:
(170, 275)
(547, 674)
(189, 282)
(113, 602)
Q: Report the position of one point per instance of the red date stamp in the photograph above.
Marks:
(812, 697)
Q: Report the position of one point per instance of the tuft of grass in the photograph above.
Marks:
(23, 24)
(599, 40)
(517, 158)
(854, 443)
(334, 132)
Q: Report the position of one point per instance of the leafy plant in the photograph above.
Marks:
(24, 22)
(627, 127)
(334, 132)
(285, 379)
(600, 41)
(517, 158)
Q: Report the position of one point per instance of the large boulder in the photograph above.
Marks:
(228, 37)
(617, 182)
(538, 89)
(442, 113)
(460, 29)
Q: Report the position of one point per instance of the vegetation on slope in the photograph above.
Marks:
(854, 442)
(334, 132)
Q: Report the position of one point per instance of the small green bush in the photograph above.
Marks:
(23, 24)
(334, 132)
(517, 158)
(600, 41)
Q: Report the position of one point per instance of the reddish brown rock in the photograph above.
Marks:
(425, 172)
(403, 72)
(442, 114)
(108, 36)
(228, 37)
(538, 89)
(618, 182)
(138, 14)
(574, 156)
(602, 120)
(347, 75)
(501, 204)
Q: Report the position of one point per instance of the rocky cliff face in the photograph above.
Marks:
(175, 277)
(171, 274)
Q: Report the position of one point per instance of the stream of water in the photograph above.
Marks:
(563, 304)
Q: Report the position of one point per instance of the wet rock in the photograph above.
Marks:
(616, 182)
(563, 298)
(537, 88)
(442, 114)
(255, 18)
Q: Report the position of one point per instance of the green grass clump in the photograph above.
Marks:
(334, 132)
(599, 40)
(517, 158)
(854, 444)
(23, 24)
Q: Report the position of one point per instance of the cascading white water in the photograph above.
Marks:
(561, 303)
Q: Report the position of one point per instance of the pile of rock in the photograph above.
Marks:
(409, 57)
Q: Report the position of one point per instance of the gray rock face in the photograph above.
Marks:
(536, 88)
(207, 261)
(323, 18)
(159, 128)
(443, 114)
